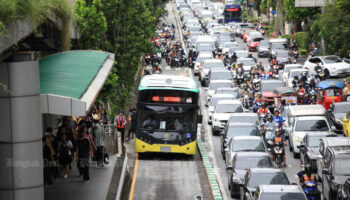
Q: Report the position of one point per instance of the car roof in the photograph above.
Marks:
(311, 117)
(239, 59)
(219, 70)
(220, 81)
(320, 133)
(298, 70)
(221, 95)
(293, 65)
(341, 150)
(228, 89)
(233, 101)
(245, 114)
(307, 110)
(240, 124)
(272, 81)
(252, 154)
(250, 137)
(280, 188)
(212, 60)
(265, 170)
(206, 54)
(336, 141)
(277, 40)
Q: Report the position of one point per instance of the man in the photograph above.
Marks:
(132, 121)
(149, 123)
(278, 138)
(120, 123)
(278, 119)
(98, 134)
(306, 175)
(257, 102)
(317, 70)
(263, 110)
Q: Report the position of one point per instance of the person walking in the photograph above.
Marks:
(132, 121)
(120, 123)
(65, 147)
(83, 150)
(98, 134)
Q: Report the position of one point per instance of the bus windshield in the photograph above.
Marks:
(168, 118)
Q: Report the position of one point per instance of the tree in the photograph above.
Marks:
(298, 15)
(333, 25)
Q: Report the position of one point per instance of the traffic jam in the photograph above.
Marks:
(278, 123)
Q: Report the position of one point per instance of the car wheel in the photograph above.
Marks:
(290, 146)
(326, 74)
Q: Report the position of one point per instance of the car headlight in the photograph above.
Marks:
(236, 180)
(298, 139)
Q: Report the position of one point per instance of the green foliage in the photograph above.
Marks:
(303, 52)
(302, 39)
(269, 29)
(333, 25)
(297, 14)
(287, 37)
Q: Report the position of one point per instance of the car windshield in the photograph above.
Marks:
(282, 196)
(257, 179)
(233, 92)
(270, 86)
(247, 62)
(214, 86)
(288, 69)
(225, 75)
(282, 54)
(341, 166)
(314, 141)
(242, 131)
(333, 92)
(279, 46)
(341, 108)
(264, 43)
(247, 145)
(244, 163)
(228, 108)
(242, 54)
(311, 125)
(230, 45)
(211, 65)
(298, 73)
(215, 100)
(257, 39)
(246, 119)
(201, 58)
(204, 47)
(332, 59)
(167, 118)
(222, 42)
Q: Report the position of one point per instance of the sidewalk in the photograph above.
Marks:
(74, 188)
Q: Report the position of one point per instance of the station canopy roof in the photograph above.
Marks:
(71, 81)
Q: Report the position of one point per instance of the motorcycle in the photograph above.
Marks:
(268, 137)
(156, 70)
(295, 54)
(311, 191)
(278, 150)
(246, 101)
(320, 74)
(256, 84)
(239, 79)
(262, 31)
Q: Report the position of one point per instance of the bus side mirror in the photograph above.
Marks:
(200, 119)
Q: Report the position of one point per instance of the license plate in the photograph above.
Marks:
(165, 149)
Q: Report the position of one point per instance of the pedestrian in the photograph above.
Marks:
(98, 134)
(120, 123)
(65, 147)
(49, 157)
(104, 117)
(132, 122)
(83, 150)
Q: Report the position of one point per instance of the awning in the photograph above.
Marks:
(71, 81)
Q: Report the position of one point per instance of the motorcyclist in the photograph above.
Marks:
(269, 124)
(303, 77)
(263, 110)
(307, 99)
(278, 138)
(294, 46)
(234, 57)
(258, 101)
(295, 81)
(278, 119)
(306, 175)
(260, 65)
(317, 70)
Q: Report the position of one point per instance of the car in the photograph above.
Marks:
(199, 61)
(277, 44)
(241, 162)
(248, 63)
(280, 192)
(254, 43)
(287, 69)
(296, 72)
(332, 65)
(222, 112)
(309, 148)
(337, 112)
(216, 84)
(236, 129)
(223, 90)
(253, 34)
(244, 118)
(336, 170)
(205, 47)
(282, 56)
(242, 53)
(246, 33)
(228, 46)
(255, 177)
(267, 88)
(243, 144)
(344, 191)
(214, 100)
(263, 49)
(329, 142)
(240, 26)
(205, 67)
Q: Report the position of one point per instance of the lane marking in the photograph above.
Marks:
(132, 189)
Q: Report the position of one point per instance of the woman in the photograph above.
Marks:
(83, 153)
(65, 154)
(104, 116)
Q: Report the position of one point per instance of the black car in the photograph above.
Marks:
(280, 192)
(309, 148)
(261, 176)
(337, 112)
(263, 49)
(241, 162)
(237, 129)
(344, 191)
(336, 170)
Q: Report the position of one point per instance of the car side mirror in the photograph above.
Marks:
(333, 128)
(325, 171)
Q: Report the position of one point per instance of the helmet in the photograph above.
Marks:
(308, 170)
(96, 117)
(259, 93)
(295, 77)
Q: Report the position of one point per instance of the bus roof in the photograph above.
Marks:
(166, 81)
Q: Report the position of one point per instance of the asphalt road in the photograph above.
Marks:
(169, 176)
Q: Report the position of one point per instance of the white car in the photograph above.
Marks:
(206, 65)
(216, 84)
(296, 72)
(243, 143)
(224, 90)
(332, 65)
(223, 111)
(287, 68)
(248, 63)
(214, 100)
(201, 57)
(242, 53)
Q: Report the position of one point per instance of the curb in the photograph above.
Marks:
(121, 180)
(215, 188)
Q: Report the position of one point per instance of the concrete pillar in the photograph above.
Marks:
(21, 169)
